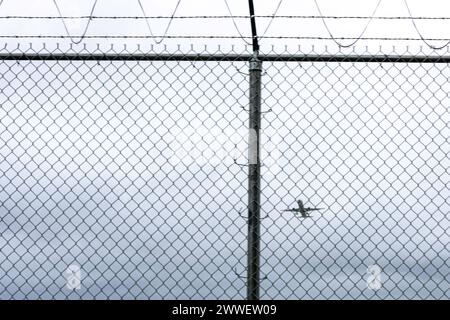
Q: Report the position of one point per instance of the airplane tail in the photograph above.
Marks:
(300, 205)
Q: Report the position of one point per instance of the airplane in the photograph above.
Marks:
(302, 210)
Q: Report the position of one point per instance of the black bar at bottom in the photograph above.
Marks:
(213, 309)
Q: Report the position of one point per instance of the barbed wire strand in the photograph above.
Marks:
(229, 17)
(273, 16)
(168, 25)
(361, 34)
(235, 25)
(420, 34)
(223, 37)
(83, 35)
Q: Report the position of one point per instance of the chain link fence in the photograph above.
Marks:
(127, 178)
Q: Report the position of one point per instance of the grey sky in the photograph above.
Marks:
(94, 170)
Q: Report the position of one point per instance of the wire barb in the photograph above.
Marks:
(240, 276)
(240, 212)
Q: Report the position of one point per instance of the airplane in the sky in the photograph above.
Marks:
(302, 210)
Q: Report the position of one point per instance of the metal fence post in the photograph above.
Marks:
(254, 180)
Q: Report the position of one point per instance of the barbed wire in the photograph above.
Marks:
(229, 17)
(224, 37)
(159, 39)
(271, 20)
(83, 35)
(420, 34)
(65, 26)
(360, 35)
(168, 24)
(235, 24)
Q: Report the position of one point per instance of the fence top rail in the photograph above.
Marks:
(224, 57)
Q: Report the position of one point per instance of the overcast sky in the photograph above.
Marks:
(98, 165)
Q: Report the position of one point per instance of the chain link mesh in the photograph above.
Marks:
(135, 172)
